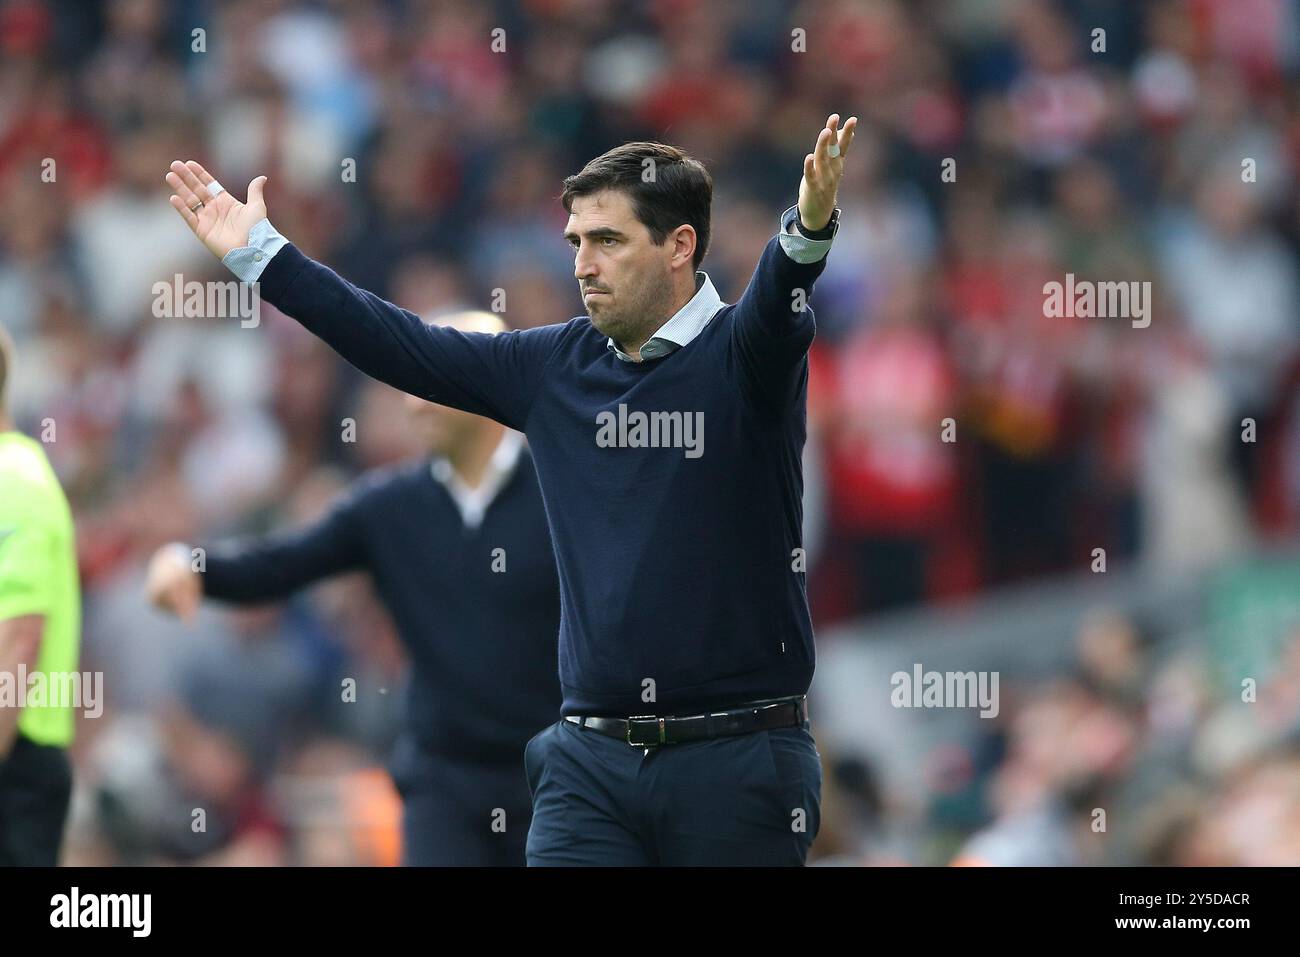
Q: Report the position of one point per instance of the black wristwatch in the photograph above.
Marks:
(826, 232)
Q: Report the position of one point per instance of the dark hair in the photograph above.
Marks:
(679, 192)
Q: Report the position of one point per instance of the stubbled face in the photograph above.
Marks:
(624, 278)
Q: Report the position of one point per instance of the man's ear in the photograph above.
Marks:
(683, 239)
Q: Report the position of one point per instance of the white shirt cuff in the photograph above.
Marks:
(247, 262)
(798, 246)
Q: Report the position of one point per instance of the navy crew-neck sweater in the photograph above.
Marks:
(680, 587)
(480, 626)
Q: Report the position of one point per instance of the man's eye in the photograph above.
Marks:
(608, 239)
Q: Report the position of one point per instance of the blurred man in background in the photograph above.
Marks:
(40, 633)
(458, 548)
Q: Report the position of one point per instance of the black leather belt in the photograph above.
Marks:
(647, 731)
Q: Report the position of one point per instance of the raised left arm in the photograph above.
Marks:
(773, 321)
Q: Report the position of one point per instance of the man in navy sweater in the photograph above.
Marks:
(457, 546)
(668, 429)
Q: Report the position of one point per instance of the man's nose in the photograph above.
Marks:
(584, 265)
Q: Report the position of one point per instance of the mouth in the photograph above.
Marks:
(594, 292)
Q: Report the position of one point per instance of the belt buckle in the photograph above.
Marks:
(663, 735)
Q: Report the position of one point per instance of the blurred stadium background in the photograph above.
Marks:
(1120, 690)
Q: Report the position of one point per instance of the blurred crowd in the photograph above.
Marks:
(1136, 754)
(959, 439)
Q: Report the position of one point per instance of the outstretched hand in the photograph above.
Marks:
(172, 585)
(822, 172)
(222, 223)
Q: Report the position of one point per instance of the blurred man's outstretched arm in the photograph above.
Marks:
(258, 570)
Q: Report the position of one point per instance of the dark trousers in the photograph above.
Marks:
(35, 790)
(458, 813)
(744, 800)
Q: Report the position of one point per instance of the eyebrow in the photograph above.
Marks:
(600, 232)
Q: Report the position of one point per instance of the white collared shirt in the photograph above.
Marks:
(473, 503)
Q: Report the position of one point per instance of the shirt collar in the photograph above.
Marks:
(473, 502)
(687, 323)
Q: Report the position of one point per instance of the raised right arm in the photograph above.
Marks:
(496, 375)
